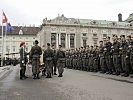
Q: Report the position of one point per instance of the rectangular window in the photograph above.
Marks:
(95, 35)
(84, 42)
(63, 38)
(53, 39)
(84, 34)
(104, 35)
(7, 48)
(13, 48)
(72, 40)
(95, 42)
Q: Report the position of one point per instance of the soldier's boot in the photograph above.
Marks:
(38, 76)
(34, 76)
(125, 75)
(60, 75)
(21, 75)
(47, 75)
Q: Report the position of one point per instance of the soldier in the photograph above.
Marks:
(60, 61)
(54, 60)
(124, 56)
(131, 53)
(34, 57)
(91, 59)
(108, 55)
(96, 59)
(48, 60)
(115, 51)
(101, 56)
(23, 60)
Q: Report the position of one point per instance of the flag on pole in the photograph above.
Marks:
(4, 20)
(9, 28)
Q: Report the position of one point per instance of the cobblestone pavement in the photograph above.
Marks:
(75, 85)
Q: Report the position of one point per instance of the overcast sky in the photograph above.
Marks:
(26, 12)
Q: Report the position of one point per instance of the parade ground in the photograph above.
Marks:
(74, 85)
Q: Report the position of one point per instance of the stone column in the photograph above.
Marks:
(66, 44)
(57, 40)
(68, 41)
(75, 41)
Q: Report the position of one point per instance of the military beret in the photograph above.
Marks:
(36, 42)
(60, 46)
(122, 36)
(22, 43)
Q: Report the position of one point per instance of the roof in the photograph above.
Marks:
(25, 30)
(63, 20)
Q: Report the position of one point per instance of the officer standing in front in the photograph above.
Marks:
(34, 57)
(60, 61)
(23, 60)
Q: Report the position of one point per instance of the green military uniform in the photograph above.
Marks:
(48, 60)
(60, 61)
(35, 53)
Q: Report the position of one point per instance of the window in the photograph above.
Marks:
(63, 40)
(13, 48)
(104, 35)
(84, 42)
(72, 40)
(95, 35)
(53, 39)
(84, 34)
(95, 42)
(0, 49)
(7, 48)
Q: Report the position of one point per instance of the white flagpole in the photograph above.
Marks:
(2, 44)
(5, 38)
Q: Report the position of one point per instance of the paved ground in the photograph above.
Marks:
(75, 85)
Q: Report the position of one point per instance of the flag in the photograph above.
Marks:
(9, 28)
(4, 20)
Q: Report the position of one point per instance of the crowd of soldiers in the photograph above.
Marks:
(51, 58)
(111, 58)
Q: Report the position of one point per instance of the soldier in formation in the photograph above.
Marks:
(114, 58)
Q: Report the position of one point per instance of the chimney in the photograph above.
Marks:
(120, 17)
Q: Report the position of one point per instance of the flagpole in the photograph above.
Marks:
(5, 38)
(2, 44)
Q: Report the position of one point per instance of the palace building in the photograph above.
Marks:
(74, 33)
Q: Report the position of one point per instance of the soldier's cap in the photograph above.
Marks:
(22, 43)
(100, 41)
(60, 46)
(52, 45)
(122, 36)
(107, 37)
(82, 47)
(48, 44)
(97, 46)
(115, 35)
(129, 36)
(91, 46)
(36, 42)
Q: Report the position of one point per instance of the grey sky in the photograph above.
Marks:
(26, 12)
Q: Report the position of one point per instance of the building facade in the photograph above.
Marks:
(13, 39)
(74, 33)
